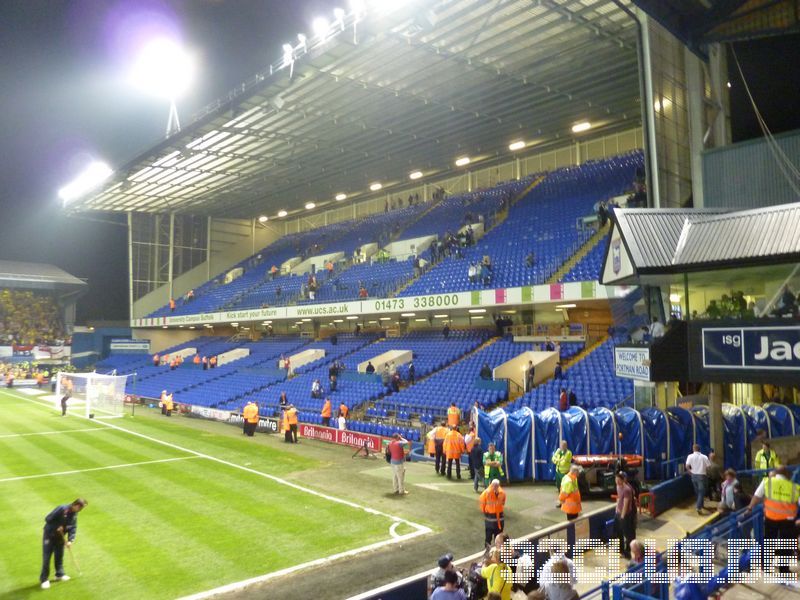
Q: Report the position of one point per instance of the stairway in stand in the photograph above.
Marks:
(596, 238)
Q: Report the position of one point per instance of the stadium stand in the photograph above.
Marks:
(588, 267)
(543, 222)
(28, 318)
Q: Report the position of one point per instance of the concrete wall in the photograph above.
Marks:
(398, 357)
(544, 363)
(404, 248)
(164, 338)
(303, 358)
(232, 355)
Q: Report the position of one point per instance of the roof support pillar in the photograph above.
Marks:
(208, 248)
(518, 168)
(171, 253)
(651, 156)
(130, 265)
(695, 96)
(715, 420)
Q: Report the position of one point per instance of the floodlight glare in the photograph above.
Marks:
(310, 206)
(288, 55)
(518, 145)
(583, 126)
(358, 6)
(375, 186)
(164, 68)
(263, 219)
(415, 175)
(463, 161)
(320, 26)
(282, 213)
(95, 174)
(338, 15)
(340, 197)
(302, 39)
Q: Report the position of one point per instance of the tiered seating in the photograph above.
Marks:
(273, 292)
(379, 279)
(123, 363)
(588, 268)
(28, 318)
(592, 379)
(431, 397)
(543, 223)
(298, 389)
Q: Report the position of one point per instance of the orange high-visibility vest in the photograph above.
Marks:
(454, 444)
(168, 402)
(172, 303)
(196, 359)
(440, 433)
(453, 416)
(291, 416)
(326, 409)
(780, 499)
(491, 503)
(343, 410)
(570, 496)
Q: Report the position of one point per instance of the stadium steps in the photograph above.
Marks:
(565, 268)
(584, 353)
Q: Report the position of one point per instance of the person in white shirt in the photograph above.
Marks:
(545, 574)
(656, 329)
(697, 464)
(342, 423)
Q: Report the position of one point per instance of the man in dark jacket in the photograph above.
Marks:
(62, 521)
(476, 462)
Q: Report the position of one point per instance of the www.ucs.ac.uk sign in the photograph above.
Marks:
(753, 348)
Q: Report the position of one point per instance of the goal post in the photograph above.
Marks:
(93, 394)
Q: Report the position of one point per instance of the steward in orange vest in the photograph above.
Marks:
(492, 502)
(250, 414)
(780, 496)
(326, 413)
(439, 434)
(570, 496)
(196, 359)
(454, 447)
(453, 415)
(291, 420)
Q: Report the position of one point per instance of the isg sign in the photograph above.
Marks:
(753, 348)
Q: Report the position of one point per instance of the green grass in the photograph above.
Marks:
(159, 530)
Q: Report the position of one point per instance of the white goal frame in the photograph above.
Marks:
(97, 395)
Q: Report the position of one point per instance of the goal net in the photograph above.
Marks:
(95, 395)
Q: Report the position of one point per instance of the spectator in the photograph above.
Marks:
(332, 382)
(446, 331)
(625, 514)
(530, 260)
(342, 422)
(190, 295)
(172, 304)
(637, 553)
(450, 590)
(411, 372)
(370, 368)
(316, 389)
(530, 374)
(396, 382)
(472, 273)
(486, 275)
(498, 576)
(570, 496)
(362, 293)
(549, 346)
(283, 401)
(397, 458)
(557, 589)
(714, 474)
(445, 565)
(563, 400)
(728, 498)
(486, 372)
(656, 329)
(572, 398)
(476, 463)
(386, 377)
(546, 578)
(697, 464)
(558, 372)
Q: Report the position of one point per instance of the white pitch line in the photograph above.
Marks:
(15, 435)
(240, 585)
(108, 468)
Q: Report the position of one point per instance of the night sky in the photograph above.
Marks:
(65, 100)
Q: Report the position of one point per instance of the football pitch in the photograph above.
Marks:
(173, 511)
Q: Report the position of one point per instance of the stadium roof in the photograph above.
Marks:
(698, 23)
(390, 94)
(668, 241)
(36, 275)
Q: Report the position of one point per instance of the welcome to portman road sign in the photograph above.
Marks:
(552, 293)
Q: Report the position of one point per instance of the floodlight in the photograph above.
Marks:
(582, 126)
(95, 174)
(411, 314)
(375, 186)
(263, 219)
(476, 311)
(353, 318)
(320, 26)
(310, 206)
(566, 305)
(282, 213)
(340, 197)
(164, 68)
(463, 161)
(675, 298)
(358, 6)
(518, 145)
(338, 15)
(415, 175)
